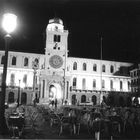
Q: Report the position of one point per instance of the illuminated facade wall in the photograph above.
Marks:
(114, 79)
(135, 79)
(20, 69)
(92, 74)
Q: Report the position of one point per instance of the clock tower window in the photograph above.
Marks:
(57, 38)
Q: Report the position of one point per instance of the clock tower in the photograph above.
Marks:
(53, 77)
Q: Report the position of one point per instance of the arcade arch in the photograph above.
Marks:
(83, 98)
(23, 98)
(94, 99)
(11, 97)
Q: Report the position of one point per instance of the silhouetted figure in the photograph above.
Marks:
(55, 103)
(34, 102)
(65, 102)
(103, 104)
(52, 102)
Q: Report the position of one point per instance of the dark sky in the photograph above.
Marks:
(117, 21)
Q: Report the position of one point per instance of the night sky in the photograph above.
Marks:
(117, 21)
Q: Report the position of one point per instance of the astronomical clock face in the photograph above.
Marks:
(56, 61)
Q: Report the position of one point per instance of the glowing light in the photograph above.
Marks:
(138, 99)
(53, 92)
(22, 85)
(56, 91)
(59, 94)
(9, 22)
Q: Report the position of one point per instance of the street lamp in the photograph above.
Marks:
(9, 23)
(35, 66)
(18, 100)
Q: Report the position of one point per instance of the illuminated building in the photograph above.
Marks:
(63, 77)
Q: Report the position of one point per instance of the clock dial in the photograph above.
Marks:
(56, 61)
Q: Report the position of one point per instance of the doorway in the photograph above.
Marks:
(55, 91)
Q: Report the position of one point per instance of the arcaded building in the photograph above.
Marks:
(55, 75)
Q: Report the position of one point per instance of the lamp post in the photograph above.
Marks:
(35, 67)
(9, 25)
(18, 100)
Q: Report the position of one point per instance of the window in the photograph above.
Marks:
(84, 84)
(83, 98)
(131, 74)
(111, 84)
(74, 82)
(25, 61)
(73, 99)
(1, 78)
(129, 85)
(94, 83)
(103, 68)
(121, 85)
(84, 66)
(14, 60)
(134, 73)
(74, 66)
(57, 38)
(2, 59)
(11, 97)
(103, 83)
(12, 81)
(111, 69)
(94, 67)
(43, 89)
(138, 72)
(35, 63)
(36, 60)
(25, 79)
(67, 92)
(94, 99)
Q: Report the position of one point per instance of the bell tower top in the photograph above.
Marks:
(55, 24)
(56, 47)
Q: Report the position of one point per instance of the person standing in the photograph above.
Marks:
(55, 103)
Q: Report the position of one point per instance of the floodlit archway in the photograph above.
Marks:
(55, 91)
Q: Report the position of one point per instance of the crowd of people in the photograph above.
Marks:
(53, 103)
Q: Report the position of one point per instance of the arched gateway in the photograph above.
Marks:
(55, 91)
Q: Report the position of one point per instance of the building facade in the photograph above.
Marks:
(55, 75)
(20, 75)
(135, 79)
(77, 80)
